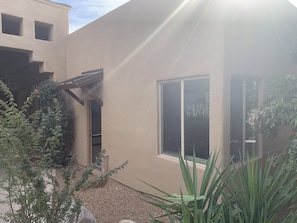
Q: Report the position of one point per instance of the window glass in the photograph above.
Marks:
(43, 31)
(11, 25)
(251, 87)
(171, 113)
(196, 117)
(236, 117)
(185, 117)
(244, 98)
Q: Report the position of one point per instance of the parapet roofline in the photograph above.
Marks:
(56, 4)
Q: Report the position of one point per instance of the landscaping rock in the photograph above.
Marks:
(126, 221)
(85, 216)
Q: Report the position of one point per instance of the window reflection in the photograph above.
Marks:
(185, 117)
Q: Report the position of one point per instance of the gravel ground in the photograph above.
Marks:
(110, 202)
(114, 202)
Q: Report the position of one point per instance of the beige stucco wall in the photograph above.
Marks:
(51, 54)
(144, 42)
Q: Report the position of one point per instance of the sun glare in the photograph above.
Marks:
(294, 2)
(150, 37)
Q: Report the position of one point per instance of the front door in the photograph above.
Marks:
(95, 129)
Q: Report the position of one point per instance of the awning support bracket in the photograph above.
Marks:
(74, 96)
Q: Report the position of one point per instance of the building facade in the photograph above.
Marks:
(32, 43)
(153, 79)
(177, 76)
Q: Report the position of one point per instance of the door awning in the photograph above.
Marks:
(85, 81)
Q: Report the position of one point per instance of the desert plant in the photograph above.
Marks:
(249, 191)
(202, 203)
(263, 190)
(34, 193)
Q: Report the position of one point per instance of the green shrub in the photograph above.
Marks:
(279, 107)
(55, 117)
(34, 194)
(280, 110)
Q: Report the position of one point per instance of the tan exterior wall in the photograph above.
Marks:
(51, 54)
(144, 42)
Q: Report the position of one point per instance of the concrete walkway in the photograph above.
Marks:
(4, 206)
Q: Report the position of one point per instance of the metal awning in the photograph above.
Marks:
(85, 81)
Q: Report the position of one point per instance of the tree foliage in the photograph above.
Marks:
(55, 117)
(279, 108)
(28, 147)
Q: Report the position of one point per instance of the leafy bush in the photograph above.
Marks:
(55, 116)
(279, 108)
(33, 192)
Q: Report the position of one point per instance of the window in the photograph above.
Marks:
(43, 31)
(244, 98)
(185, 117)
(11, 24)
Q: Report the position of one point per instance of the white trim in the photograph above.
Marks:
(160, 118)
(160, 110)
(244, 118)
(182, 119)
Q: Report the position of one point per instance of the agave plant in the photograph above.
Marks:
(265, 189)
(202, 203)
(253, 190)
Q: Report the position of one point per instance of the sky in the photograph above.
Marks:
(83, 12)
(294, 2)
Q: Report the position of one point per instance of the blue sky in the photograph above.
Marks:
(85, 11)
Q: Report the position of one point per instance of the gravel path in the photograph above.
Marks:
(114, 202)
(110, 203)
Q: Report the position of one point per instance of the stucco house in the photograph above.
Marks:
(155, 78)
(32, 43)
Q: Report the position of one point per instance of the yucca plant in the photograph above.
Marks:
(202, 203)
(263, 191)
(253, 190)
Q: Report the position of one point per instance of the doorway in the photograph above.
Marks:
(95, 129)
(244, 98)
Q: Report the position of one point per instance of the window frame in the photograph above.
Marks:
(182, 120)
